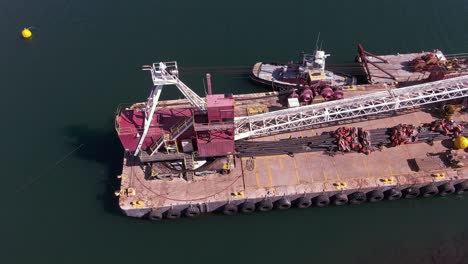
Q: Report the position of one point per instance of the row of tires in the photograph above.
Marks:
(322, 200)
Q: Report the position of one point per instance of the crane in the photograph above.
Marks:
(165, 73)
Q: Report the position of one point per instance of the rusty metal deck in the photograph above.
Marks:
(398, 66)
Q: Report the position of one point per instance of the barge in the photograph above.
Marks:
(256, 152)
(309, 79)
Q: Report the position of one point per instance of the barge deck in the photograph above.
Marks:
(267, 181)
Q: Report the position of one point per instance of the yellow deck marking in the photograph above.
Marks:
(281, 164)
(323, 170)
(364, 162)
(270, 157)
(336, 169)
(269, 172)
(256, 174)
(298, 179)
(389, 166)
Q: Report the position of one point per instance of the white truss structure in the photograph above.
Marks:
(165, 73)
(149, 112)
(369, 104)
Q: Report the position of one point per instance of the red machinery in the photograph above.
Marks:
(447, 127)
(353, 139)
(403, 134)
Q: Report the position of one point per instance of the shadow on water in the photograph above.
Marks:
(103, 147)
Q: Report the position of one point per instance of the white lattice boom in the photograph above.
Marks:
(165, 73)
(369, 104)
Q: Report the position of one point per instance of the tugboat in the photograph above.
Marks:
(305, 80)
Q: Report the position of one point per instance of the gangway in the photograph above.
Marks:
(374, 103)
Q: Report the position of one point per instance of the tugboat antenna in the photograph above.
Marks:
(316, 42)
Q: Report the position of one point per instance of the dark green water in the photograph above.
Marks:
(60, 89)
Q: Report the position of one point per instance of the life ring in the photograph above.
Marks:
(192, 212)
(321, 200)
(283, 203)
(173, 213)
(429, 190)
(375, 196)
(393, 194)
(155, 215)
(265, 205)
(247, 207)
(357, 198)
(461, 187)
(446, 189)
(411, 192)
(230, 209)
(340, 199)
(304, 202)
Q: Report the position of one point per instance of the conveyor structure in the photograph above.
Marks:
(370, 104)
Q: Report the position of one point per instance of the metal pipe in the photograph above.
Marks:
(208, 82)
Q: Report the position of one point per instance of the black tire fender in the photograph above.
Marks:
(375, 196)
(340, 199)
(192, 212)
(461, 187)
(446, 189)
(283, 203)
(303, 202)
(230, 209)
(265, 205)
(357, 198)
(429, 190)
(172, 213)
(393, 194)
(155, 215)
(247, 207)
(411, 192)
(321, 200)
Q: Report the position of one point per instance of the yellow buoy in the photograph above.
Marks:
(460, 142)
(26, 33)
